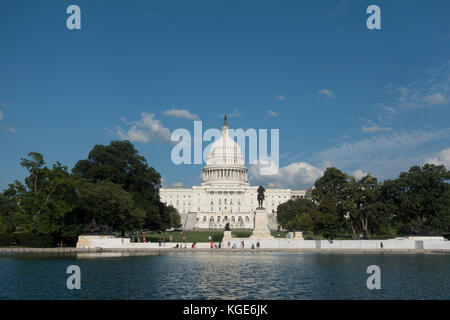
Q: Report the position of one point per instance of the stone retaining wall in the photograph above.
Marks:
(105, 242)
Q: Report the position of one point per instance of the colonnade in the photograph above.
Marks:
(237, 174)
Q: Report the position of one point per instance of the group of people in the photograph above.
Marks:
(138, 237)
(258, 244)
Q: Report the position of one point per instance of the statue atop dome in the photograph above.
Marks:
(225, 120)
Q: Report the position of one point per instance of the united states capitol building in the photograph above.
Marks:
(225, 195)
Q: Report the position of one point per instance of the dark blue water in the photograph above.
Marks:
(227, 276)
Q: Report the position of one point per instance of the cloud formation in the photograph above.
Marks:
(327, 92)
(5, 127)
(145, 130)
(272, 113)
(181, 113)
(383, 155)
(296, 175)
(374, 129)
(435, 98)
(443, 158)
(358, 174)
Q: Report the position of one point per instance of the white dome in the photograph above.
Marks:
(225, 151)
(225, 163)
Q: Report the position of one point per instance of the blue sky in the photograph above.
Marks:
(365, 101)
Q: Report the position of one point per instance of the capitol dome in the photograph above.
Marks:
(225, 162)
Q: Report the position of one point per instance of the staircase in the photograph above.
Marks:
(272, 222)
(189, 220)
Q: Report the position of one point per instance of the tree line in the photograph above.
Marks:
(416, 203)
(113, 190)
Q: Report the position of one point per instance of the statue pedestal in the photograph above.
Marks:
(298, 235)
(261, 229)
(227, 235)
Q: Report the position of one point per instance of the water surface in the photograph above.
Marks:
(236, 275)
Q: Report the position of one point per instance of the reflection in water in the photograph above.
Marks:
(227, 275)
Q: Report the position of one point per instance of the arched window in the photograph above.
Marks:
(218, 219)
(225, 218)
(204, 219)
(232, 219)
(211, 219)
(247, 218)
(240, 219)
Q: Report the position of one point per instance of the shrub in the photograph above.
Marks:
(5, 239)
(217, 237)
(26, 240)
(242, 234)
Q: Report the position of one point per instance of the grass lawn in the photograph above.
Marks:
(279, 234)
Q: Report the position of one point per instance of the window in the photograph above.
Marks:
(204, 219)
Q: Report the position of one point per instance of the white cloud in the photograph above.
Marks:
(436, 98)
(374, 129)
(145, 130)
(297, 175)
(272, 113)
(281, 97)
(384, 155)
(327, 92)
(358, 174)
(181, 113)
(429, 88)
(443, 158)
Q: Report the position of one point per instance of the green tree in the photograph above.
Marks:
(8, 214)
(419, 199)
(120, 163)
(175, 218)
(370, 211)
(109, 204)
(45, 197)
(334, 193)
(293, 209)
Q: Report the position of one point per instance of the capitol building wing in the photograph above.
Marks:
(224, 196)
